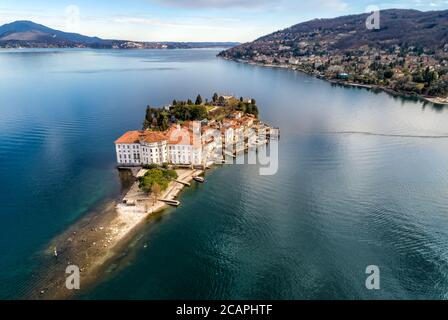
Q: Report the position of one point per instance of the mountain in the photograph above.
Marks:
(30, 34)
(408, 54)
(397, 27)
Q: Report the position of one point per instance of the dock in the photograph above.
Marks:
(183, 182)
(174, 203)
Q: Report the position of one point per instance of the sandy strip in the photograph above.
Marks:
(95, 240)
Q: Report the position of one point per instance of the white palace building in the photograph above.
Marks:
(176, 145)
(189, 144)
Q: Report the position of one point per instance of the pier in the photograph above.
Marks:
(174, 203)
(183, 182)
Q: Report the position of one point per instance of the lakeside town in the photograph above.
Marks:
(405, 55)
(406, 71)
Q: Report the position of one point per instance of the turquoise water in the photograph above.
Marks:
(362, 180)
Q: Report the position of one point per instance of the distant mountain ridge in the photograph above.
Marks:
(30, 34)
(400, 27)
(30, 31)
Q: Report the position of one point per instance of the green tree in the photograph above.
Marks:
(418, 77)
(163, 121)
(388, 74)
(241, 107)
(148, 117)
(157, 176)
(221, 100)
(181, 112)
(198, 112)
(198, 100)
(252, 109)
(215, 97)
(429, 76)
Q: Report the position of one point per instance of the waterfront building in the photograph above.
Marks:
(141, 147)
(188, 144)
(178, 145)
(184, 144)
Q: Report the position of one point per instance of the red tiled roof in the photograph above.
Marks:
(153, 136)
(129, 137)
(144, 136)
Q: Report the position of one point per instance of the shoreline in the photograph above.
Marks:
(93, 245)
(96, 240)
(435, 100)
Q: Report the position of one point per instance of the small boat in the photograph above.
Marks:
(55, 252)
(199, 179)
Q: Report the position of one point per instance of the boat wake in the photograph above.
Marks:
(388, 135)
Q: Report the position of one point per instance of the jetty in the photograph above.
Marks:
(183, 182)
(174, 203)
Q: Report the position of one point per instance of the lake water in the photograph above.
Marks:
(362, 180)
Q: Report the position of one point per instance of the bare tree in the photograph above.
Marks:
(155, 192)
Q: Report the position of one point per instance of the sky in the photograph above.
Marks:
(188, 20)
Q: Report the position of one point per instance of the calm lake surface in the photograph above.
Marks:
(362, 180)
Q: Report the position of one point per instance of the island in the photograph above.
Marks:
(179, 141)
(175, 147)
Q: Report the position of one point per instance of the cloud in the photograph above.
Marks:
(317, 7)
(337, 5)
(307, 10)
(197, 22)
(432, 3)
(217, 3)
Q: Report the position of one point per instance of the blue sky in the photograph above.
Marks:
(188, 20)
